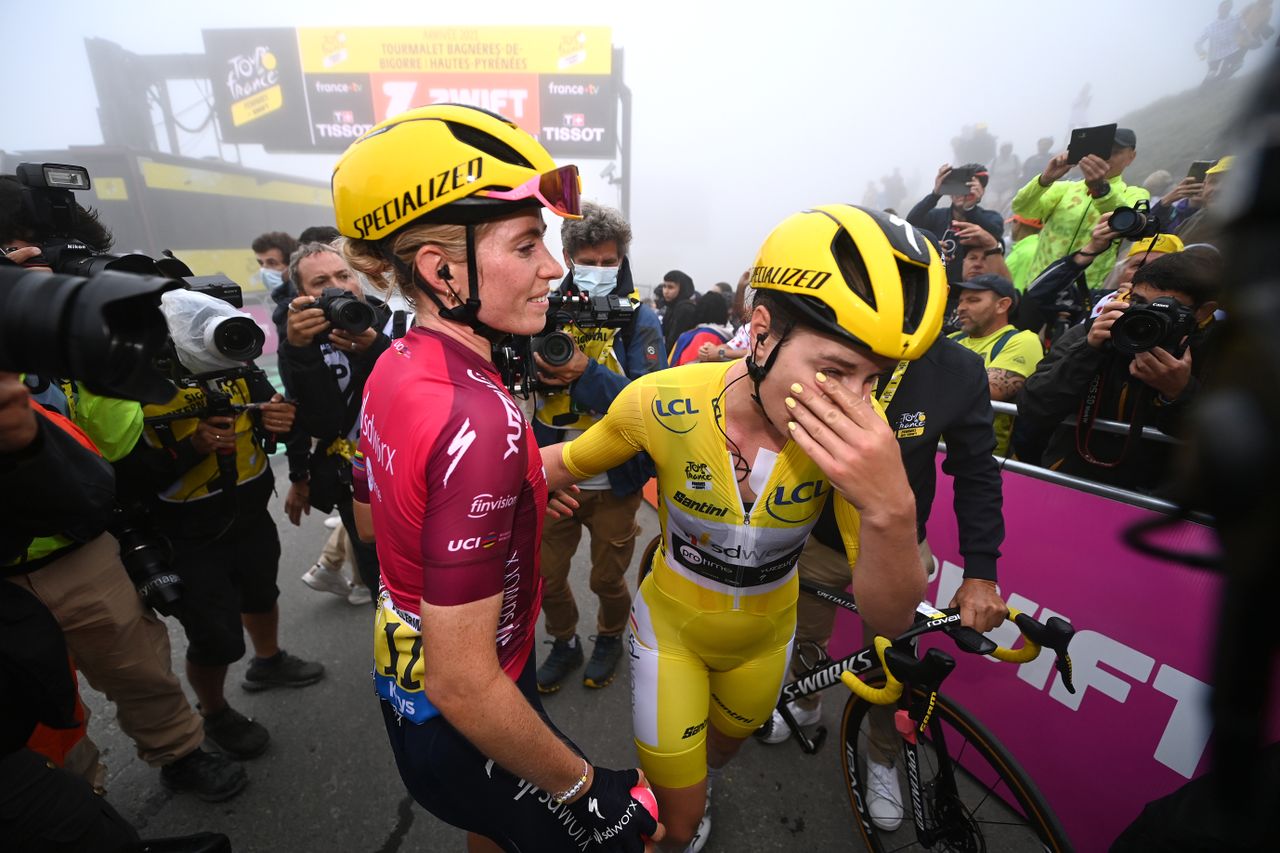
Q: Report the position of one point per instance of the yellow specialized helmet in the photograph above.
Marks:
(862, 275)
(445, 163)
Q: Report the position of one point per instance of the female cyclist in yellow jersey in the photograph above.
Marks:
(744, 467)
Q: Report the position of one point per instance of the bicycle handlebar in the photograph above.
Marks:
(1055, 634)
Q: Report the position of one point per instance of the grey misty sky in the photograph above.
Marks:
(744, 112)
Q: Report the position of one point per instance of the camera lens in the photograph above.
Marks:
(1125, 220)
(238, 338)
(353, 316)
(556, 349)
(1139, 331)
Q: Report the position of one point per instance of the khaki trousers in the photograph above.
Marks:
(611, 521)
(119, 646)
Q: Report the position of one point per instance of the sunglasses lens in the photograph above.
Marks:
(559, 190)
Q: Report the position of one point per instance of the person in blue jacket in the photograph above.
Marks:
(603, 363)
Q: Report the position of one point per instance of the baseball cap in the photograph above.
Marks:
(1163, 243)
(1000, 285)
(1125, 138)
(1223, 165)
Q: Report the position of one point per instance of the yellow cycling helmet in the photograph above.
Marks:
(445, 163)
(862, 275)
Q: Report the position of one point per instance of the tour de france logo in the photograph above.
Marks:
(253, 82)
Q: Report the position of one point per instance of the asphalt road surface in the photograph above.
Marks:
(328, 781)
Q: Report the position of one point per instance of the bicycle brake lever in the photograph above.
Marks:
(1056, 634)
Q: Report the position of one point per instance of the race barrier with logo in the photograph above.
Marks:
(1137, 727)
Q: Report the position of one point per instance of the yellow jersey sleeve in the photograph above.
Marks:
(614, 439)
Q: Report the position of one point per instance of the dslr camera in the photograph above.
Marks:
(514, 359)
(1162, 323)
(1135, 223)
(344, 311)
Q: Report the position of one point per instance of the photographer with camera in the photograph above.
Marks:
(966, 185)
(207, 479)
(604, 361)
(334, 335)
(1068, 210)
(1059, 297)
(69, 561)
(1137, 362)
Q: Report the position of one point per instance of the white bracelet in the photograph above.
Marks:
(572, 792)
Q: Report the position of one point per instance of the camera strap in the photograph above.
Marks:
(1088, 414)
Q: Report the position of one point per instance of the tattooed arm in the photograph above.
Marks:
(1005, 384)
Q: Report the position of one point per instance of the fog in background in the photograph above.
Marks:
(743, 112)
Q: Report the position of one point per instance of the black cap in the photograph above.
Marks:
(1125, 138)
(999, 285)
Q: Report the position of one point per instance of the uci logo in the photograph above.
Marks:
(674, 409)
(804, 493)
(473, 542)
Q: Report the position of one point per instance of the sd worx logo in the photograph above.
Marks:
(800, 504)
(674, 409)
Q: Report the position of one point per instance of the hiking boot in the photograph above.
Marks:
(321, 578)
(776, 730)
(604, 660)
(212, 778)
(283, 670)
(884, 796)
(566, 655)
(235, 734)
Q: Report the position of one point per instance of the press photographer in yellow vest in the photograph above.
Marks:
(574, 396)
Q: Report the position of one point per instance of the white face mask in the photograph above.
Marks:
(596, 281)
(271, 279)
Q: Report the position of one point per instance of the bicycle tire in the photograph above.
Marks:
(1016, 817)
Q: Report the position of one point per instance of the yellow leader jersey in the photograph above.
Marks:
(717, 553)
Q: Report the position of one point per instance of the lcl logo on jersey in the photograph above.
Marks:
(801, 503)
(676, 408)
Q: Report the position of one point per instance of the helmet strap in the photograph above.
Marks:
(758, 372)
(466, 313)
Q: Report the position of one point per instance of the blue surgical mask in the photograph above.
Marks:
(595, 281)
(271, 279)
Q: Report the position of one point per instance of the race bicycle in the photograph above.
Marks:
(964, 791)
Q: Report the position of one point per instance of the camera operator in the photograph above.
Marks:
(1086, 373)
(74, 568)
(272, 251)
(1070, 209)
(604, 362)
(1058, 298)
(49, 463)
(325, 368)
(964, 208)
(208, 481)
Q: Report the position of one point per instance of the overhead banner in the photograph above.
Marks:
(317, 89)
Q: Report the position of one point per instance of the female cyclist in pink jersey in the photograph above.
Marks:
(447, 201)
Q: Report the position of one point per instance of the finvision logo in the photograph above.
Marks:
(485, 503)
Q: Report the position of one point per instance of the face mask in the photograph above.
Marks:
(596, 281)
(271, 279)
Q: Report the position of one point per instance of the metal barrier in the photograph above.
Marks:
(1089, 486)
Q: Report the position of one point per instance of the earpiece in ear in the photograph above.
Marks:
(444, 273)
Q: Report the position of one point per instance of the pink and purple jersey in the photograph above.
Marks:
(454, 478)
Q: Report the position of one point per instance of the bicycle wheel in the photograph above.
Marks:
(988, 804)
